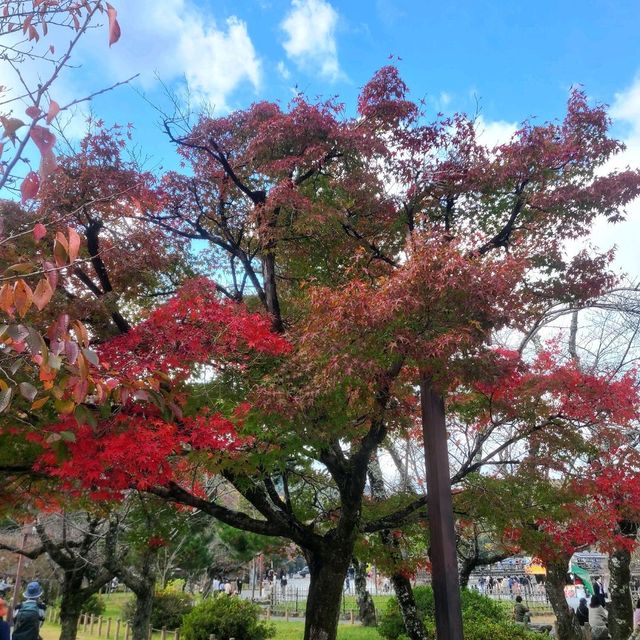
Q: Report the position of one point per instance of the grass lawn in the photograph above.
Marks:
(295, 631)
(284, 631)
(114, 603)
(348, 604)
(292, 630)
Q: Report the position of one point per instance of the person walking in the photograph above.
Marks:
(598, 619)
(29, 614)
(598, 589)
(582, 612)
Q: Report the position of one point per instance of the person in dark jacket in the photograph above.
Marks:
(29, 614)
(598, 589)
(521, 612)
(582, 612)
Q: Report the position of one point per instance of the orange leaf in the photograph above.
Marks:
(54, 109)
(42, 295)
(114, 27)
(81, 333)
(6, 298)
(74, 244)
(60, 250)
(29, 187)
(23, 297)
(38, 404)
(11, 125)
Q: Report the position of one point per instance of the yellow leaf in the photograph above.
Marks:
(39, 403)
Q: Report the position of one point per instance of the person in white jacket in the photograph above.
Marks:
(598, 620)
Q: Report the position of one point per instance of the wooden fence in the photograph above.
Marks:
(109, 628)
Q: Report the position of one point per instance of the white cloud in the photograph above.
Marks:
(283, 70)
(311, 42)
(494, 132)
(444, 99)
(174, 40)
(625, 112)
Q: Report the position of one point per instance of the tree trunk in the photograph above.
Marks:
(68, 621)
(407, 603)
(325, 594)
(466, 567)
(568, 626)
(401, 584)
(621, 610)
(142, 615)
(366, 607)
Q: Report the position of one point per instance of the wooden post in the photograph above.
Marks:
(118, 629)
(92, 624)
(444, 562)
(176, 634)
(108, 633)
(269, 612)
(127, 631)
(85, 622)
(100, 627)
(150, 632)
(163, 634)
(352, 618)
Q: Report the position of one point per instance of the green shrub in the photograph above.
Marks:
(483, 618)
(225, 617)
(94, 605)
(168, 609)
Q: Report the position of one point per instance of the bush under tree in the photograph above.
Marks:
(484, 618)
(225, 617)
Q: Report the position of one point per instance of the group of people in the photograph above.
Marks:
(28, 616)
(514, 585)
(227, 586)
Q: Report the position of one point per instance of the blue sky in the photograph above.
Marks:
(517, 59)
(514, 59)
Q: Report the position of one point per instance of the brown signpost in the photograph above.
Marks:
(444, 562)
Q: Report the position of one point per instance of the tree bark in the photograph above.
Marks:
(325, 594)
(407, 603)
(568, 626)
(69, 615)
(142, 615)
(621, 610)
(401, 584)
(366, 607)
